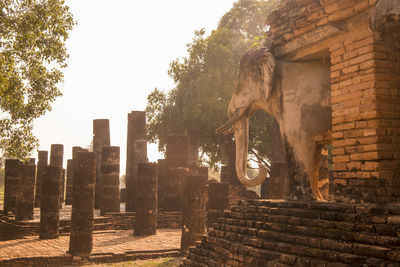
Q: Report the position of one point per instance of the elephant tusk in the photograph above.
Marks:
(227, 128)
(224, 128)
(227, 132)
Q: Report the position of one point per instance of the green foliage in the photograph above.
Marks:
(32, 54)
(204, 83)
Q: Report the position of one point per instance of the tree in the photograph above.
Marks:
(32, 54)
(204, 83)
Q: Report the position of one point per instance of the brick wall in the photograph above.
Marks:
(360, 85)
(294, 18)
(365, 89)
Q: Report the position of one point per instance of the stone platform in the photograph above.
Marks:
(296, 233)
(108, 246)
(11, 229)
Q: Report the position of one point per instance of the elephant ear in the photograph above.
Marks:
(267, 67)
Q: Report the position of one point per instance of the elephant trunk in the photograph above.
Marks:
(241, 131)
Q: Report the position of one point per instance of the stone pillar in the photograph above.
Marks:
(136, 153)
(122, 195)
(41, 165)
(203, 171)
(81, 238)
(194, 217)
(173, 189)
(162, 183)
(25, 196)
(56, 159)
(11, 183)
(56, 155)
(70, 176)
(193, 150)
(63, 186)
(109, 190)
(218, 201)
(225, 173)
(177, 161)
(101, 138)
(50, 203)
(231, 166)
(146, 200)
(68, 191)
(277, 186)
(178, 152)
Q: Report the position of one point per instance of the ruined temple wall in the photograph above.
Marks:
(295, 18)
(358, 146)
(365, 84)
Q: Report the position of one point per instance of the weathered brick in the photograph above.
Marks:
(341, 14)
(361, 5)
(339, 166)
(361, 43)
(354, 166)
(345, 158)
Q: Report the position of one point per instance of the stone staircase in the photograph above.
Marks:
(295, 233)
(100, 224)
(11, 229)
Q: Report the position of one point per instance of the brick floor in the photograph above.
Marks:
(106, 245)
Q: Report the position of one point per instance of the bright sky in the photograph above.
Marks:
(119, 51)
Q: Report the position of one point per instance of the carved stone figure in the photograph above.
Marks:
(297, 95)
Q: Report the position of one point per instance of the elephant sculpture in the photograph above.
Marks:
(297, 94)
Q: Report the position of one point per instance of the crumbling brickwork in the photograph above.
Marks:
(364, 64)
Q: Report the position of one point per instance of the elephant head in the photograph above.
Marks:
(252, 90)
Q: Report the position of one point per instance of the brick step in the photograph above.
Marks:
(212, 254)
(318, 230)
(379, 224)
(267, 239)
(96, 227)
(191, 263)
(325, 210)
(302, 234)
(359, 255)
(392, 208)
(260, 212)
(248, 255)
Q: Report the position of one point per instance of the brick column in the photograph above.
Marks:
(173, 190)
(178, 153)
(203, 171)
(68, 191)
(11, 183)
(56, 155)
(25, 196)
(63, 178)
(177, 160)
(41, 165)
(194, 217)
(50, 203)
(365, 118)
(218, 201)
(225, 174)
(101, 138)
(146, 200)
(136, 153)
(70, 174)
(162, 182)
(81, 238)
(193, 150)
(56, 159)
(110, 180)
